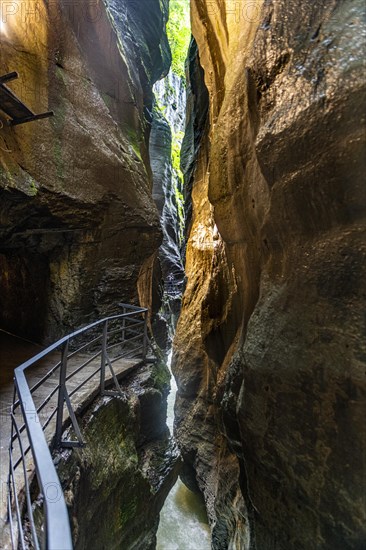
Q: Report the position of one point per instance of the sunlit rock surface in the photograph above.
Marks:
(269, 353)
(77, 216)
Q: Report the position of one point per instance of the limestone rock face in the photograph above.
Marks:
(269, 352)
(116, 485)
(77, 217)
(170, 92)
(167, 126)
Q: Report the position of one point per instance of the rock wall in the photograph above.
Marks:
(167, 131)
(77, 217)
(168, 123)
(269, 352)
(116, 485)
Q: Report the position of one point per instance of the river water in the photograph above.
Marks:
(183, 522)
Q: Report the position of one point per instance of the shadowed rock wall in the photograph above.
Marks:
(168, 122)
(116, 485)
(77, 217)
(269, 353)
(167, 131)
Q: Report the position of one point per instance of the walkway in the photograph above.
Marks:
(14, 351)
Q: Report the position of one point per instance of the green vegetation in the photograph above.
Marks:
(179, 34)
(134, 141)
(176, 147)
(33, 187)
(160, 374)
(177, 140)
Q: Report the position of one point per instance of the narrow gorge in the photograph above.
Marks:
(205, 160)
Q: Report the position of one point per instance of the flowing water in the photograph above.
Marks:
(183, 521)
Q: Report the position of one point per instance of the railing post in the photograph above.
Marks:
(123, 325)
(103, 357)
(144, 345)
(61, 393)
(10, 456)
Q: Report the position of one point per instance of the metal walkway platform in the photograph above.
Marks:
(48, 391)
(12, 106)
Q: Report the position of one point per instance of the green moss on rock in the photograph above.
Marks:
(161, 375)
(117, 484)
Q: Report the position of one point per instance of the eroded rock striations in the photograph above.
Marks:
(168, 123)
(166, 135)
(269, 352)
(77, 216)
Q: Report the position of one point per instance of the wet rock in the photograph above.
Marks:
(166, 132)
(77, 217)
(269, 353)
(164, 196)
(116, 485)
(196, 121)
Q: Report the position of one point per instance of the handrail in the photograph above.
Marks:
(57, 518)
(57, 344)
(57, 532)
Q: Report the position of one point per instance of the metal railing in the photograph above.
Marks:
(38, 421)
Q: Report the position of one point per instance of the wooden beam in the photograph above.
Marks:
(18, 121)
(8, 77)
(13, 106)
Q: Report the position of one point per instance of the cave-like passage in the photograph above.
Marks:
(183, 520)
(167, 133)
(13, 352)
